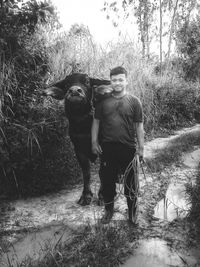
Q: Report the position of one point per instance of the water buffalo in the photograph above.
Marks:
(79, 94)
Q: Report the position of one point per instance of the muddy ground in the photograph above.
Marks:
(28, 226)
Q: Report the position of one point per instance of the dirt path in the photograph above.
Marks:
(34, 223)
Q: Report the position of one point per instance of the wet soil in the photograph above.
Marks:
(27, 226)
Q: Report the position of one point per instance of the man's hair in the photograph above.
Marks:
(118, 70)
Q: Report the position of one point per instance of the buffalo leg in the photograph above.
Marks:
(86, 196)
(100, 194)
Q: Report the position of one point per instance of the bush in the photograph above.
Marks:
(176, 103)
(36, 155)
(188, 44)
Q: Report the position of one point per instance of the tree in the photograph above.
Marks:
(81, 48)
(18, 20)
(155, 18)
(144, 13)
(188, 43)
(161, 33)
(142, 10)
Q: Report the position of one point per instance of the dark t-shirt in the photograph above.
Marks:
(117, 118)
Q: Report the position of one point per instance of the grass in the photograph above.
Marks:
(93, 246)
(97, 246)
(172, 153)
(194, 197)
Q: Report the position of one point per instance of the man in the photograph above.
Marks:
(120, 121)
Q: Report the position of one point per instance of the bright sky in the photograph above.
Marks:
(87, 12)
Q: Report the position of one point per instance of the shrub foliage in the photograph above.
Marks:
(188, 40)
(34, 150)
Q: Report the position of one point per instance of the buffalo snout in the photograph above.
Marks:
(75, 91)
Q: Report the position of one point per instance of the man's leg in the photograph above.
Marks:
(108, 176)
(131, 192)
(129, 182)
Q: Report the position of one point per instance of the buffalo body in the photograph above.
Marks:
(80, 93)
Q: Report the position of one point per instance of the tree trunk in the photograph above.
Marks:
(171, 30)
(142, 35)
(161, 37)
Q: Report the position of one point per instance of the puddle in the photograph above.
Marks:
(34, 244)
(174, 205)
(60, 209)
(192, 160)
(156, 253)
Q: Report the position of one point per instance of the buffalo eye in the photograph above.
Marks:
(87, 81)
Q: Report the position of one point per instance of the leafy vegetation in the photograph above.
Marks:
(189, 48)
(32, 131)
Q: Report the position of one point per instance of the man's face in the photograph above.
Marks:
(118, 82)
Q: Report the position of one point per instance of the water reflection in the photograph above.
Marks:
(154, 253)
(192, 160)
(174, 204)
(35, 245)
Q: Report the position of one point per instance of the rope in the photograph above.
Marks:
(134, 186)
(133, 189)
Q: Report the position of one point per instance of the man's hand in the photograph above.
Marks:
(140, 139)
(140, 153)
(141, 159)
(96, 148)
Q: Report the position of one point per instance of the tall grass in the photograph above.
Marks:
(92, 246)
(168, 100)
(33, 148)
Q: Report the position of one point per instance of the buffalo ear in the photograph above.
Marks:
(97, 82)
(58, 90)
(54, 92)
(101, 92)
(63, 84)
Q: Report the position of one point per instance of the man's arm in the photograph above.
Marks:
(96, 149)
(140, 138)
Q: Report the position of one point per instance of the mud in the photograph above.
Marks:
(28, 226)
